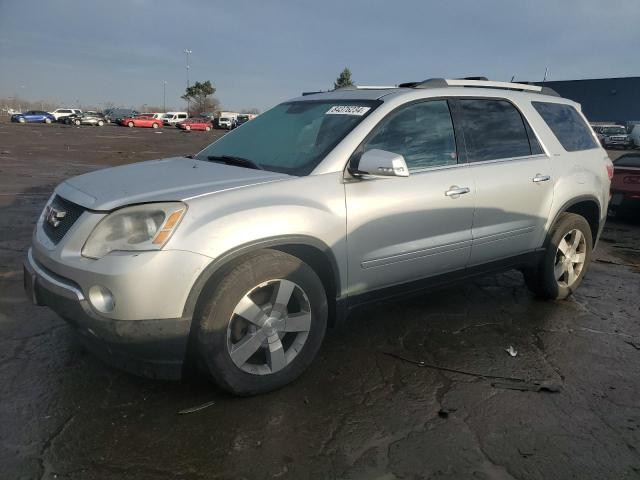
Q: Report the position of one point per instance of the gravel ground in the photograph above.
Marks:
(367, 408)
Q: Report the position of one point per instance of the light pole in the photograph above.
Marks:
(188, 52)
(164, 96)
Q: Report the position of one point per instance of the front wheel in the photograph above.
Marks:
(77, 122)
(565, 260)
(155, 125)
(47, 120)
(263, 323)
(207, 129)
(100, 123)
(130, 124)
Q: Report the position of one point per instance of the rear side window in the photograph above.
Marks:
(567, 125)
(422, 133)
(493, 129)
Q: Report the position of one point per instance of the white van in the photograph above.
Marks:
(171, 118)
(635, 135)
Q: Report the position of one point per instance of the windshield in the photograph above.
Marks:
(292, 137)
(614, 130)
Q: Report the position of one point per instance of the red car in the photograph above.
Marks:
(195, 124)
(625, 185)
(141, 121)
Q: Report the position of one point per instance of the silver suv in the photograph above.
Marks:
(242, 255)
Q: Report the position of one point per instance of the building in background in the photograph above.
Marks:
(603, 99)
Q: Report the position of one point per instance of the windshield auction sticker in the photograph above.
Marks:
(348, 110)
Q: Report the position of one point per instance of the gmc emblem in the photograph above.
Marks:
(53, 216)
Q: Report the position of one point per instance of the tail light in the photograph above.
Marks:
(609, 165)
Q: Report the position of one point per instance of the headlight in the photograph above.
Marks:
(141, 227)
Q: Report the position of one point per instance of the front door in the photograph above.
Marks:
(409, 228)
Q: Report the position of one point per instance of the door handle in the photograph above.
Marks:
(541, 178)
(455, 191)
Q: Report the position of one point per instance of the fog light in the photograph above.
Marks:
(101, 299)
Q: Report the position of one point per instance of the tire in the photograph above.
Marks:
(130, 125)
(154, 125)
(282, 351)
(22, 120)
(558, 275)
(187, 128)
(47, 120)
(207, 129)
(77, 122)
(100, 123)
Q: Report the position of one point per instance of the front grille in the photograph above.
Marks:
(72, 213)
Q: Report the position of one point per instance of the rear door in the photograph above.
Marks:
(404, 229)
(513, 178)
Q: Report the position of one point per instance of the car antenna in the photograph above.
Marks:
(544, 79)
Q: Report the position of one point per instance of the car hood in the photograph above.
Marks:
(170, 179)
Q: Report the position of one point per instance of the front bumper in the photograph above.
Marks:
(153, 347)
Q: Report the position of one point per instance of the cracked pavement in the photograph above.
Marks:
(357, 413)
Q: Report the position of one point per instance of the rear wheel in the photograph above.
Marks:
(207, 129)
(100, 123)
(77, 122)
(47, 120)
(263, 323)
(22, 120)
(155, 125)
(565, 261)
(130, 125)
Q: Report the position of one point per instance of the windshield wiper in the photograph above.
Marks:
(237, 161)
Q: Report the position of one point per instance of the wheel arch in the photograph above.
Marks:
(587, 206)
(310, 250)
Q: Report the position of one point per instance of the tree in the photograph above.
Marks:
(343, 80)
(198, 93)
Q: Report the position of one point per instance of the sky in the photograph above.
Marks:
(259, 53)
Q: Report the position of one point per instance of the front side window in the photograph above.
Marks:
(422, 133)
(292, 137)
(567, 125)
(493, 129)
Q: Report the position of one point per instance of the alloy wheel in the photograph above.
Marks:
(269, 327)
(570, 258)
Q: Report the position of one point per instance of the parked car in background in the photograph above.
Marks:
(141, 121)
(625, 185)
(195, 123)
(171, 118)
(59, 113)
(88, 118)
(241, 120)
(33, 116)
(612, 136)
(115, 115)
(243, 255)
(635, 136)
(208, 115)
(226, 123)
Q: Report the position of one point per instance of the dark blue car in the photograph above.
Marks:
(32, 116)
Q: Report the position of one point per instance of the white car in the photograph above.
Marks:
(65, 112)
(171, 118)
(635, 135)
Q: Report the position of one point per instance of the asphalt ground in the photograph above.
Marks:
(421, 388)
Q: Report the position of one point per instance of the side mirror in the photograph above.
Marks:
(380, 163)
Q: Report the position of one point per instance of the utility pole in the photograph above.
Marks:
(164, 96)
(188, 52)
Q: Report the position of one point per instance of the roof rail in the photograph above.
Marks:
(478, 82)
(367, 87)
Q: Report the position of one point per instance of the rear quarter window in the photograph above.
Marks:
(567, 125)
